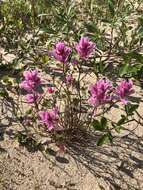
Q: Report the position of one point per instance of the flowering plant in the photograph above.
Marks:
(78, 99)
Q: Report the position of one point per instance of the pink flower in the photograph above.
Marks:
(69, 79)
(32, 98)
(123, 90)
(31, 80)
(31, 75)
(85, 47)
(49, 118)
(61, 52)
(50, 90)
(100, 92)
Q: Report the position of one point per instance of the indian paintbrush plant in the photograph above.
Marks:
(75, 101)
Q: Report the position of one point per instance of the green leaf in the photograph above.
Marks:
(131, 70)
(110, 137)
(124, 69)
(103, 122)
(46, 103)
(104, 139)
(29, 111)
(111, 7)
(100, 67)
(3, 93)
(92, 28)
(122, 120)
(130, 108)
(100, 125)
(96, 124)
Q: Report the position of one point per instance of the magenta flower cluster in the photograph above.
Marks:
(124, 90)
(100, 92)
(30, 85)
(49, 118)
(103, 92)
(32, 98)
(61, 52)
(31, 81)
(84, 48)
